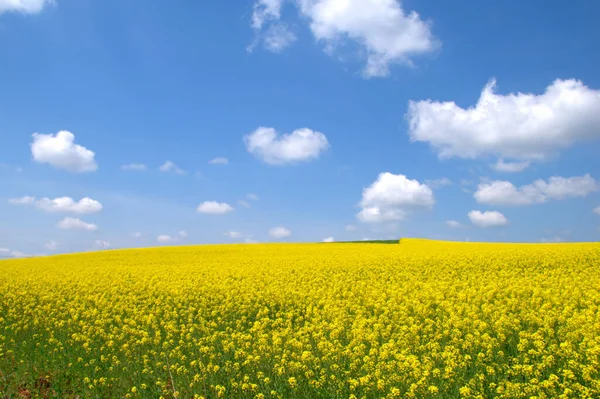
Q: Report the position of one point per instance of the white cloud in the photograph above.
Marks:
(385, 33)
(66, 204)
(351, 228)
(183, 234)
(27, 200)
(597, 210)
(234, 234)
(540, 191)
(102, 244)
(163, 239)
(277, 37)
(60, 151)
(214, 208)
(6, 252)
(453, 224)
(24, 6)
(563, 187)
(510, 167)
(437, 183)
(329, 239)
(135, 166)
(392, 197)
(243, 203)
(253, 197)
(136, 234)
(279, 232)
(70, 223)
(51, 245)
(219, 161)
(169, 166)
(521, 127)
(487, 218)
(301, 145)
(61, 204)
(265, 10)
(250, 241)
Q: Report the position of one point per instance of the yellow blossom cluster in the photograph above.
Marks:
(421, 319)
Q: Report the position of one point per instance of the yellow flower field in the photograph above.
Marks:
(422, 319)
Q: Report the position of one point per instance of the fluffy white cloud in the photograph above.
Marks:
(487, 218)
(70, 223)
(183, 234)
(51, 245)
(214, 208)
(329, 239)
(510, 167)
(219, 161)
(169, 166)
(24, 6)
(597, 210)
(384, 31)
(66, 204)
(453, 224)
(521, 127)
(61, 204)
(163, 239)
(300, 145)
(392, 197)
(102, 244)
(234, 234)
(387, 34)
(135, 166)
(279, 232)
(60, 151)
(505, 193)
(351, 227)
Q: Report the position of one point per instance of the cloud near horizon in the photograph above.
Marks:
(392, 198)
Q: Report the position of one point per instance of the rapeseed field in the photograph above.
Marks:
(421, 319)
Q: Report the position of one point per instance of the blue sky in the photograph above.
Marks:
(341, 119)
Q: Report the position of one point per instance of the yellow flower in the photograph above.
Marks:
(410, 320)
